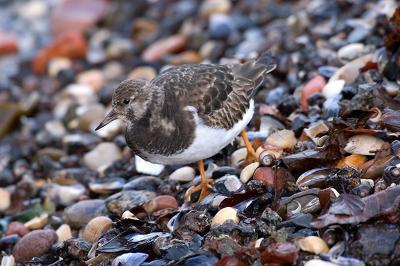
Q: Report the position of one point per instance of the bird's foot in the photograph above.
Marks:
(251, 153)
(203, 187)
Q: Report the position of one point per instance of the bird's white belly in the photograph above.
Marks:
(207, 142)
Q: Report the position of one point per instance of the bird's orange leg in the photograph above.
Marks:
(204, 186)
(251, 153)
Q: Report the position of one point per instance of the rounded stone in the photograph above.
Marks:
(96, 227)
(224, 215)
(128, 199)
(183, 174)
(82, 212)
(34, 244)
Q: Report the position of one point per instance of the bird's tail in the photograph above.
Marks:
(254, 70)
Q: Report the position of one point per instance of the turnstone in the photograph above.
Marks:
(190, 112)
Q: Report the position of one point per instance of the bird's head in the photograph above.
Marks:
(129, 102)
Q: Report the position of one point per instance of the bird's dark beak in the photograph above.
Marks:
(111, 116)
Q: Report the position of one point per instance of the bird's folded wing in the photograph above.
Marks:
(219, 96)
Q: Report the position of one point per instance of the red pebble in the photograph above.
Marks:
(16, 228)
(71, 45)
(230, 261)
(283, 253)
(8, 43)
(312, 87)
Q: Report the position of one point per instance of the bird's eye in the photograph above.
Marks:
(126, 101)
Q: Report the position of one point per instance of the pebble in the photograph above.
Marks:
(128, 199)
(8, 43)
(55, 128)
(149, 183)
(107, 185)
(238, 157)
(102, 156)
(70, 45)
(159, 49)
(65, 195)
(93, 78)
(96, 227)
(77, 15)
(5, 199)
(183, 174)
(113, 71)
(16, 228)
(220, 26)
(283, 139)
(312, 87)
(161, 202)
(228, 184)
(37, 222)
(355, 161)
(351, 52)
(82, 212)
(64, 233)
(223, 215)
(363, 144)
(248, 171)
(333, 88)
(312, 244)
(8, 261)
(88, 117)
(58, 64)
(111, 130)
(143, 72)
(210, 7)
(34, 244)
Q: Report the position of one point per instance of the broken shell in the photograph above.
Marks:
(293, 208)
(363, 144)
(315, 131)
(96, 227)
(354, 161)
(37, 222)
(238, 157)
(224, 215)
(312, 244)
(376, 116)
(160, 203)
(64, 232)
(128, 215)
(248, 171)
(350, 71)
(5, 199)
(283, 139)
(258, 242)
(313, 178)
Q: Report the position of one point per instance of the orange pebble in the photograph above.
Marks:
(355, 161)
(312, 87)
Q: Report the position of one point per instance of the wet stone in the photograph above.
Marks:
(127, 199)
(34, 244)
(82, 212)
(149, 183)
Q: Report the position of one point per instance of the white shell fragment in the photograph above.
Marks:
(363, 144)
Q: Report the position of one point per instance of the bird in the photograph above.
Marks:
(189, 113)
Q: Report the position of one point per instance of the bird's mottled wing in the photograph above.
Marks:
(220, 97)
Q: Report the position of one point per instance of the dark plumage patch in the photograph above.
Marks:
(220, 94)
